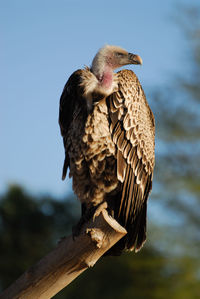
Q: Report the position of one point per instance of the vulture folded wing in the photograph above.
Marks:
(132, 128)
(70, 107)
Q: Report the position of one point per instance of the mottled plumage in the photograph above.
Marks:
(108, 131)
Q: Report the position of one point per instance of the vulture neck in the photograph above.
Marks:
(105, 78)
(103, 71)
(99, 80)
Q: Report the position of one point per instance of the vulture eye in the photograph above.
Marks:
(118, 54)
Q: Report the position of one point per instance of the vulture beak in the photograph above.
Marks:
(134, 59)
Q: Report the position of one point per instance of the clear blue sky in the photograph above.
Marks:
(41, 44)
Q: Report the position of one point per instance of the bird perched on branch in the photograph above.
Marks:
(108, 132)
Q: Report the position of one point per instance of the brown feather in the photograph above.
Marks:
(136, 124)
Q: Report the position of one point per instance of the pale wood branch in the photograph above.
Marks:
(68, 260)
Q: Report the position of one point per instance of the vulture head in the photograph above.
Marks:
(108, 59)
(100, 80)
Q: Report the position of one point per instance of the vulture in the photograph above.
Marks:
(108, 131)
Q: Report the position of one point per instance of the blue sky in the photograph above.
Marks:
(42, 43)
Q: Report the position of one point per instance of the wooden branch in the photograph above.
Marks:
(68, 260)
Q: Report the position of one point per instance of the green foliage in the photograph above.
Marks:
(29, 229)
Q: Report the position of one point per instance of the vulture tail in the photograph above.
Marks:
(136, 236)
(131, 214)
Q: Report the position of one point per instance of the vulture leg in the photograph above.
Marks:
(101, 207)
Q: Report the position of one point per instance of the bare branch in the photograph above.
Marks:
(68, 260)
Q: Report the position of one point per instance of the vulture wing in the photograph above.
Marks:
(133, 129)
(70, 107)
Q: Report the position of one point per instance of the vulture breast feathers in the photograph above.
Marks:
(108, 132)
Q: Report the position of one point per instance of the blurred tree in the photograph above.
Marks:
(29, 229)
(177, 113)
